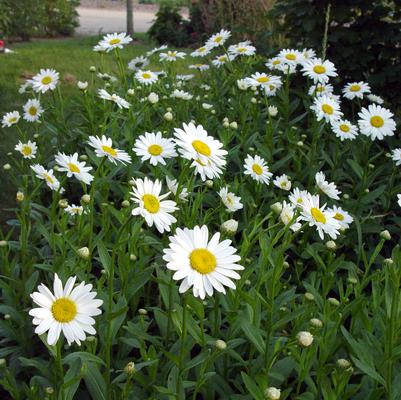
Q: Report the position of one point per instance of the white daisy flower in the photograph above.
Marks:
(329, 189)
(396, 156)
(156, 50)
(181, 94)
(115, 41)
(326, 108)
(242, 84)
(356, 90)
(257, 168)
(375, 99)
(10, 119)
(344, 129)
(199, 67)
(308, 54)
(203, 264)
(201, 51)
(376, 122)
(74, 210)
(218, 39)
(32, 110)
(318, 70)
(275, 63)
(172, 55)
(343, 217)
(287, 216)
(28, 150)
(155, 148)
(138, 63)
(296, 197)
(74, 167)
(221, 60)
(45, 80)
(100, 48)
(320, 89)
(146, 77)
(121, 103)
(184, 77)
(46, 175)
(104, 148)
(262, 79)
(230, 200)
(69, 310)
(291, 56)
(283, 182)
(152, 206)
(242, 49)
(172, 185)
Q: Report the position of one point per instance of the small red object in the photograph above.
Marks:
(1, 45)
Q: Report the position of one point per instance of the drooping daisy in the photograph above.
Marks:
(344, 129)
(138, 63)
(152, 206)
(28, 150)
(296, 197)
(69, 310)
(376, 122)
(203, 264)
(317, 216)
(74, 210)
(74, 167)
(230, 200)
(172, 55)
(32, 110)
(45, 80)
(155, 148)
(181, 94)
(318, 70)
(46, 175)
(242, 49)
(283, 182)
(291, 56)
(343, 217)
(356, 90)
(257, 168)
(396, 156)
(218, 39)
(113, 41)
(104, 148)
(156, 50)
(329, 189)
(10, 119)
(172, 185)
(121, 103)
(146, 77)
(201, 51)
(287, 215)
(326, 108)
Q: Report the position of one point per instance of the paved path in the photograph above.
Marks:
(95, 20)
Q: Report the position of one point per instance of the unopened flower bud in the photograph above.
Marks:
(220, 344)
(333, 301)
(86, 199)
(233, 125)
(300, 143)
(82, 85)
(286, 264)
(125, 203)
(272, 111)
(92, 68)
(142, 311)
(83, 252)
(83, 157)
(133, 257)
(20, 196)
(385, 235)
(226, 124)
(230, 226)
(352, 280)
(153, 98)
(343, 363)
(316, 323)
(309, 296)
(272, 393)
(331, 245)
(3, 362)
(129, 369)
(168, 116)
(253, 100)
(6, 167)
(7, 316)
(388, 261)
(305, 338)
(209, 183)
(346, 196)
(49, 390)
(63, 203)
(276, 207)
(3, 243)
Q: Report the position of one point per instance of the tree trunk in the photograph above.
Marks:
(130, 17)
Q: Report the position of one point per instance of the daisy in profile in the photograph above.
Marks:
(296, 197)
(283, 182)
(32, 110)
(221, 60)
(230, 200)
(318, 217)
(308, 54)
(115, 41)
(100, 48)
(146, 77)
(155, 148)
(376, 122)
(121, 103)
(326, 108)
(396, 156)
(343, 217)
(242, 49)
(287, 216)
(181, 94)
(203, 264)
(68, 311)
(344, 129)
(375, 99)
(356, 90)
(329, 189)
(320, 89)
(199, 67)
(104, 148)
(10, 119)
(28, 150)
(262, 79)
(172, 55)
(74, 167)
(218, 39)
(47, 176)
(185, 77)
(172, 185)
(291, 57)
(74, 210)
(318, 70)
(138, 63)
(156, 50)
(152, 206)
(242, 84)
(45, 80)
(257, 168)
(201, 51)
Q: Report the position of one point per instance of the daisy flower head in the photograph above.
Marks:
(185, 77)
(319, 70)
(121, 103)
(156, 50)
(242, 84)
(356, 90)
(329, 189)
(291, 56)
(138, 63)
(218, 39)
(320, 89)
(342, 216)
(283, 182)
(74, 167)
(318, 217)
(396, 156)
(376, 122)
(172, 185)
(201, 51)
(100, 48)
(155, 148)
(242, 49)
(32, 110)
(45, 80)
(230, 200)
(104, 148)
(287, 215)
(113, 41)
(297, 196)
(375, 99)
(181, 94)
(275, 63)
(326, 108)
(47, 176)
(10, 119)
(74, 210)
(69, 310)
(152, 206)
(221, 60)
(262, 79)
(257, 168)
(200, 67)
(308, 54)
(344, 129)
(146, 77)
(172, 55)
(28, 150)
(203, 264)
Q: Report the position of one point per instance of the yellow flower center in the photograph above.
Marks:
(320, 89)
(345, 128)
(203, 261)
(73, 168)
(200, 162)
(339, 217)
(115, 41)
(222, 58)
(241, 49)
(257, 169)
(291, 57)
(327, 109)
(299, 200)
(146, 75)
(32, 110)
(13, 119)
(155, 149)
(355, 88)
(151, 203)
(283, 184)
(26, 150)
(276, 62)
(201, 148)
(46, 80)
(201, 49)
(319, 69)
(377, 121)
(218, 39)
(263, 79)
(109, 150)
(49, 178)
(64, 310)
(317, 215)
